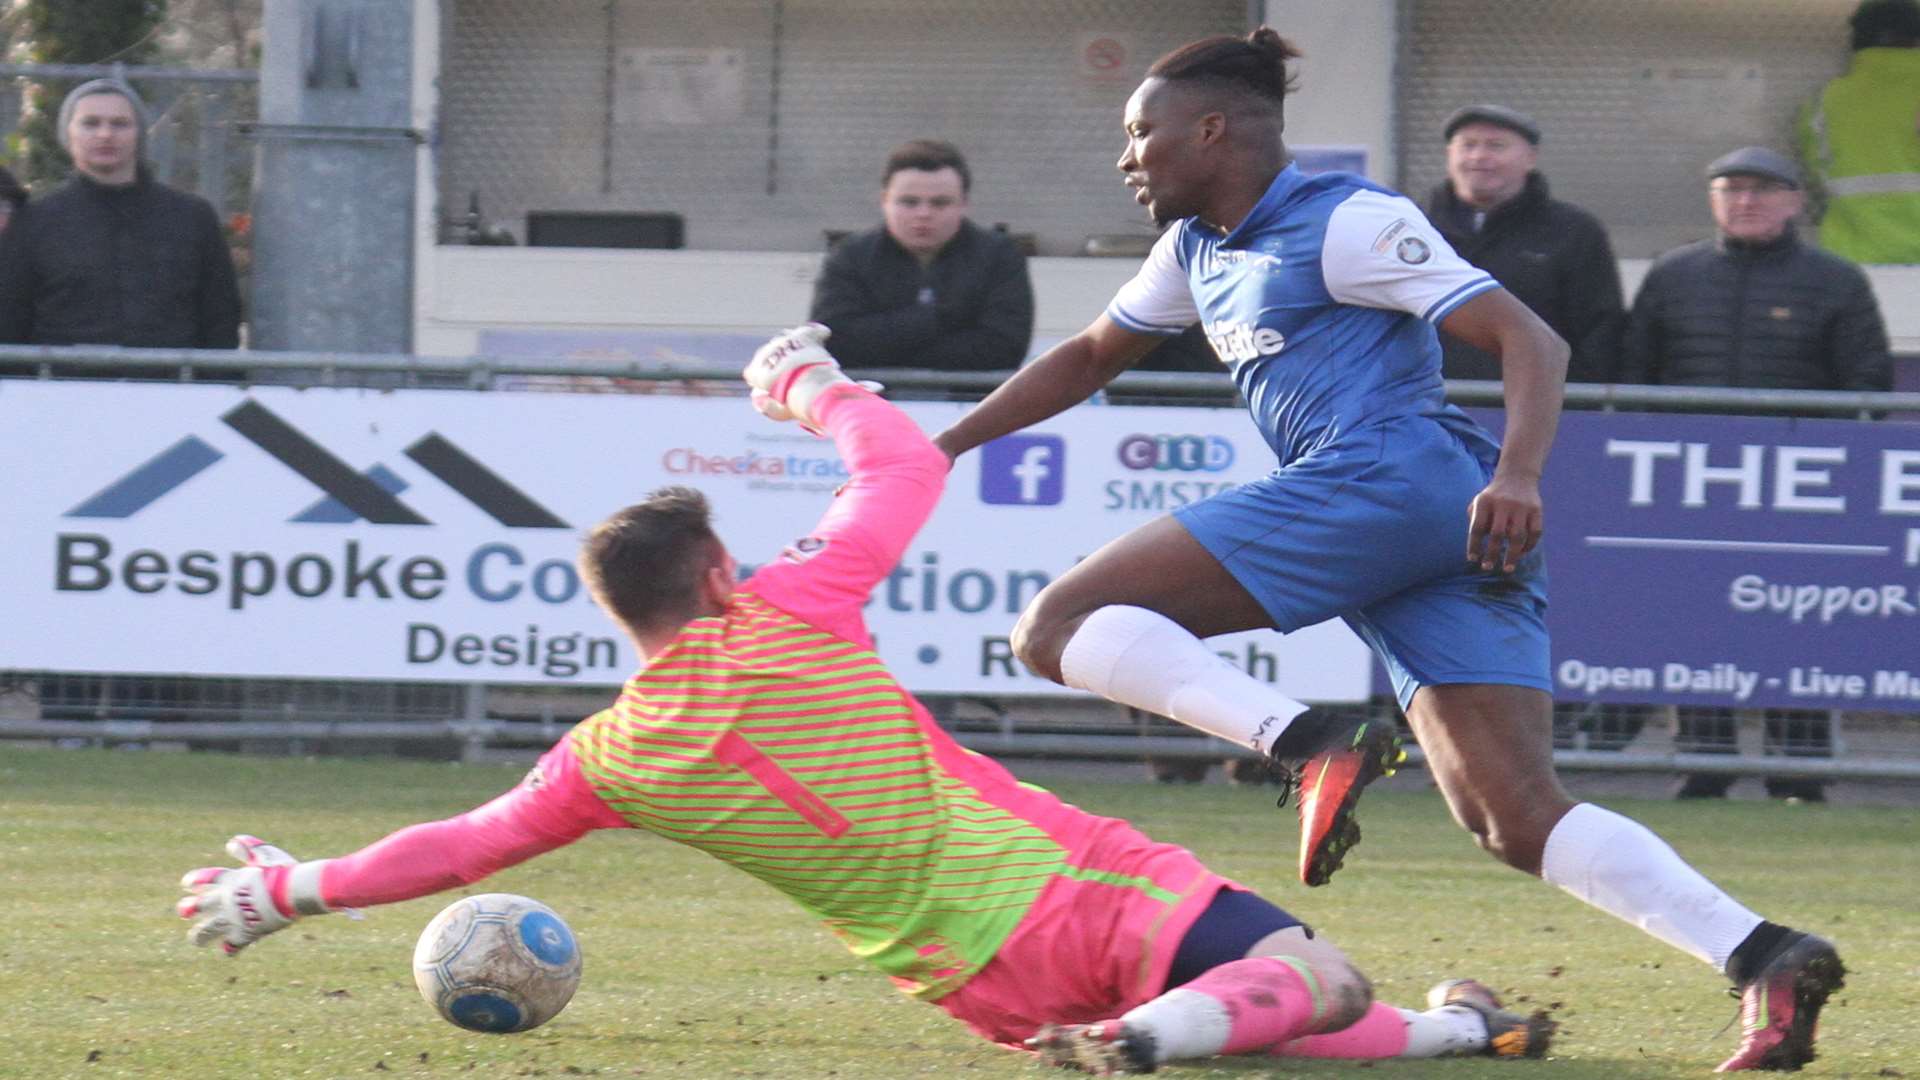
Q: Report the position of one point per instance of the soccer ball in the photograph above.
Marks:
(497, 963)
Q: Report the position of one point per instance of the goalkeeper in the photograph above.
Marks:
(763, 730)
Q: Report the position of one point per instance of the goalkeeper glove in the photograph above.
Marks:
(789, 373)
(239, 906)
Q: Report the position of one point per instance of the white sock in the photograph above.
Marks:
(1144, 659)
(1449, 1029)
(1619, 866)
(1184, 1024)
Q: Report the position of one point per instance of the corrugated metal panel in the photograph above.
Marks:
(529, 88)
(1634, 96)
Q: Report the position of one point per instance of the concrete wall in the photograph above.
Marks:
(465, 290)
(1346, 75)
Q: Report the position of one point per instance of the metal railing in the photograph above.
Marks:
(482, 372)
(474, 738)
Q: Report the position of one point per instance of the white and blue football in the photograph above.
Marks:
(497, 963)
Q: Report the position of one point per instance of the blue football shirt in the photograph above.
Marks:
(1323, 303)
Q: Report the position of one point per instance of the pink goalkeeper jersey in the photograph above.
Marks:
(772, 738)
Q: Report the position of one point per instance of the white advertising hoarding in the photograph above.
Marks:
(423, 534)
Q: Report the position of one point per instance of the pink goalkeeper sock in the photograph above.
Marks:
(1269, 999)
(1381, 1033)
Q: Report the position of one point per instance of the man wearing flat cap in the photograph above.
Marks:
(115, 257)
(1860, 139)
(1497, 213)
(1755, 307)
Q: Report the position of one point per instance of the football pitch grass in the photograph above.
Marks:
(693, 970)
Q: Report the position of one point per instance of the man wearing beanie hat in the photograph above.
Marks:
(114, 257)
(1496, 212)
(1861, 140)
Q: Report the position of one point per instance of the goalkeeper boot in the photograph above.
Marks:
(1508, 1033)
(1781, 1002)
(1108, 1048)
(1344, 757)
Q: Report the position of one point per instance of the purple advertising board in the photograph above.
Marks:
(1737, 561)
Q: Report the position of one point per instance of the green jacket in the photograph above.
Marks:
(1861, 142)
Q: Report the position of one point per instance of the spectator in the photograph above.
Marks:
(1497, 213)
(1860, 141)
(928, 288)
(114, 257)
(12, 196)
(1755, 307)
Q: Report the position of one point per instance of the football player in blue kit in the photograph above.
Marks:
(1389, 508)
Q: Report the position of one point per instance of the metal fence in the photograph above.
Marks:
(763, 128)
(1634, 96)
(475, 720)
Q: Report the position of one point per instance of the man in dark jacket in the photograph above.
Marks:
(1495, 211)
(114, 257)
(928, 288)
(1755, 307)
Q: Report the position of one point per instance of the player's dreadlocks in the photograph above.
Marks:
(1253, 67)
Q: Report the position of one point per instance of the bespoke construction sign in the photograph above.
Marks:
(431, 534)
(421, 534)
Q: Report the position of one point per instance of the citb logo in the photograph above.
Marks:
(1176, 453)
(1023, 470)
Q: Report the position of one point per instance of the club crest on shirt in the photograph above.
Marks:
(535, 779)
(803, 549)
(1412, 250)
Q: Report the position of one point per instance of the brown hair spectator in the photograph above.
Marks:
(928, 155)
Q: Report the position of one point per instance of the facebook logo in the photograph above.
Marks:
(1023, 470)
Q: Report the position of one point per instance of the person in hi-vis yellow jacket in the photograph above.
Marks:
(1860, 139)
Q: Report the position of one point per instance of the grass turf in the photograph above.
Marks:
(695, 971)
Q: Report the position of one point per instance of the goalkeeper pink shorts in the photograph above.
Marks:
(1097, 942)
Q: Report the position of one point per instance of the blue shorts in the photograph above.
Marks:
(1373, 528)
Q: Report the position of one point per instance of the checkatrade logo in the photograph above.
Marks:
(350, 495)
(1024, 470)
